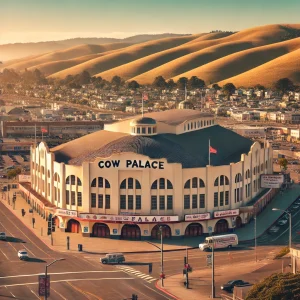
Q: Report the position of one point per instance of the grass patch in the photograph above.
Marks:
(284, 251)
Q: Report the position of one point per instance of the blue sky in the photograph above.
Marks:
(41, 20)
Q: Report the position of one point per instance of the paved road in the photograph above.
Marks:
(77, 277)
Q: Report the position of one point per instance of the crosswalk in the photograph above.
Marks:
(132, 271)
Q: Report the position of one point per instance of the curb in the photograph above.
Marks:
(164, 291)
(137, 252)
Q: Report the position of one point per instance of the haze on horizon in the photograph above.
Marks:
(49, 20)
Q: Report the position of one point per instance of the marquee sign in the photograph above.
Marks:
(131, 219)
(271, 181)
(65, 212)
(197, 217)
(131, 164)
(226, 213)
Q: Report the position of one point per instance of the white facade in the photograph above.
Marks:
(130, 185)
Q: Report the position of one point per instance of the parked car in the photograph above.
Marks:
(293, 148)
(2, 236)
(229, 286)
(273, 229)
(295, 206)
(23, 255)
(113, 258)
(282, 222)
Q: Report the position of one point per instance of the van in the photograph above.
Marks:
(2, 236)
(219, 242)
(113, 258)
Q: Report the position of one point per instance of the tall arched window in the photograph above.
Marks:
(130, 194)
(247, 174)
(56, 186)
(238, 178)
(221, 191)
(162, 200)
(100, 194)
(73, 191)
(194, 198)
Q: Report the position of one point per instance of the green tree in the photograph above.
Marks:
(228, 89)
(278, 286)
(259, 87)
(116, 81)
(195, 83)
(182, 82)
(171, 84)
(133, 85)
(283, 162)
(159, 82)
(284, 85)
(14, 173)
(83, 78)
(216, 87)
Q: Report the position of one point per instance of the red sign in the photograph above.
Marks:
(44, 284)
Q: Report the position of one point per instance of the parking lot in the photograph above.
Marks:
(12, 161)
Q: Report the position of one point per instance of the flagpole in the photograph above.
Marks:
(35, 134)
(209, 152)
(142, 104)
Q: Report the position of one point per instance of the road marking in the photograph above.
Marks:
(4, 254)
(148, 277)
(152, 279)
(163, 295)
(63, 273)
(66, 280)
(77, 289)
(33, 293)
(25, 234)
(10, 292)
(144, 276)
(58, 293)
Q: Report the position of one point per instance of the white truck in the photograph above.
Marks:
(219, 242)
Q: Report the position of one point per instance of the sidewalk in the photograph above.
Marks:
(101, 245)
(90, 245)
(200, 281)
(268, 217)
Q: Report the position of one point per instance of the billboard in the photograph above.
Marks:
(252, 131)
(44, 285)
(271, 181)
(24, 178)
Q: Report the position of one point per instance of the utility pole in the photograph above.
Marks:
(213, 272)
(162, 256)
(255, 238)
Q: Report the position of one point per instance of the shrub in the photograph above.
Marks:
(284, 251)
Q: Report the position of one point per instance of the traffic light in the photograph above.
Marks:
(134, 297)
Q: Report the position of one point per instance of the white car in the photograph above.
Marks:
(295, 206)
(22, 254)
(282, 222)
(274, 229)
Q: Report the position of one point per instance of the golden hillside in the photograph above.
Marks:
(285, 66)
(129, 54)
(73, 52)
(144, 64)
(240, 62)
(243, 40)
(213, 57)
(49, 68)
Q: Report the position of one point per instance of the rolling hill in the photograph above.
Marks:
(19, 50)
(214, 57)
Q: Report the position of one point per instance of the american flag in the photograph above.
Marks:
(145, 97)
(44, 130)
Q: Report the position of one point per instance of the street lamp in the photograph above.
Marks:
(46, 271)
(290, 218)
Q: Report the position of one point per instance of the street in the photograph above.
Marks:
(77, 277)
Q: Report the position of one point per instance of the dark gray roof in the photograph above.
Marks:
(189, 149)
(143, 121)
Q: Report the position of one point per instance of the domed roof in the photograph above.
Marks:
(143, 121)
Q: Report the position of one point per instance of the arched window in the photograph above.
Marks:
(123, 184)
(192, 125)
(221, 180)
(216, 182)
(247, 175)
(68, 180)
(79, 182)
(188, 126)
(154, 185)
(169, 185)
(266, 164)
(201, 123)
(254, 170)
(100, 182)
(238, 177)
(56, 177)
(187, 185)
(198, 124)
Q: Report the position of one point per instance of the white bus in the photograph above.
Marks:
(219, 242)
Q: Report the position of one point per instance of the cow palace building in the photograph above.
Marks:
(150, 173)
